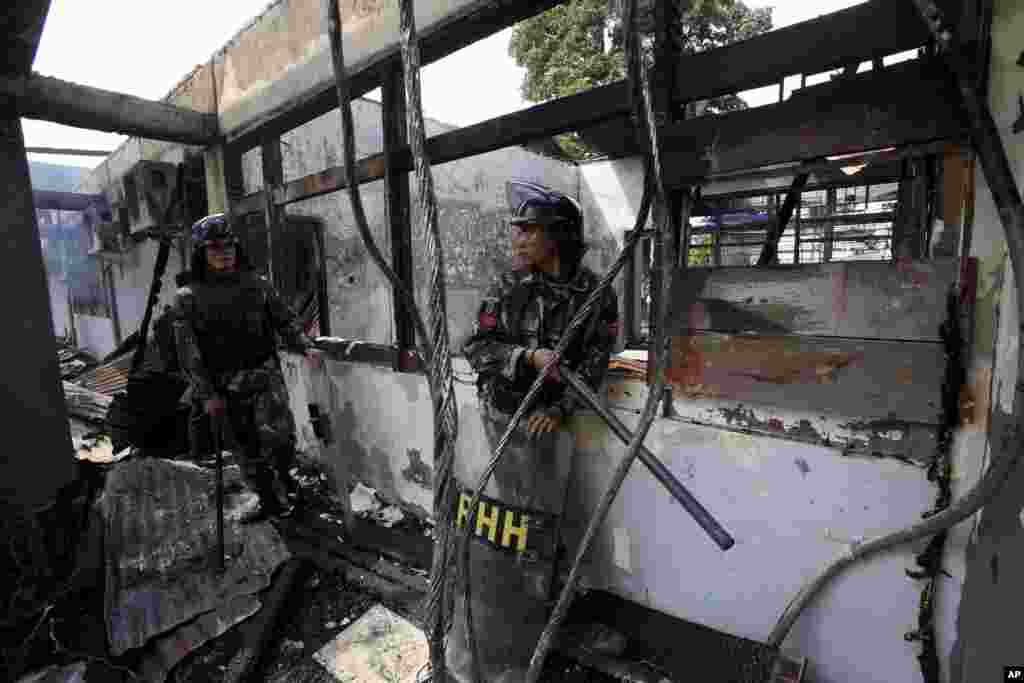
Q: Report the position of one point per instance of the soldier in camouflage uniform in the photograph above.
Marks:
(519, 322)
(226, 325)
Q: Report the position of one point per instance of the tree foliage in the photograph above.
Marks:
(579, 45)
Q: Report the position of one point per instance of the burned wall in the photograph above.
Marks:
(991, 571)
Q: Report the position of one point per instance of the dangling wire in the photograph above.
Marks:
(446, 420)
(665, 248)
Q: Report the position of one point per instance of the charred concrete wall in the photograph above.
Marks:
(992, 573)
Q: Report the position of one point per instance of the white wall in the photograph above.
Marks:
(95, 334)
(58, 305)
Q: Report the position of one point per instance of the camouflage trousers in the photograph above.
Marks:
(259, 424)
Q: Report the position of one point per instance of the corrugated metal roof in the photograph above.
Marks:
(160, 538)
(112, 377)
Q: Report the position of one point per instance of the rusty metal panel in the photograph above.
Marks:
(905, 300)
(159, 534)
(849, 435)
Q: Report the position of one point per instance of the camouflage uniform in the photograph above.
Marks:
(523, 311)
(511, 589)
(225, 331)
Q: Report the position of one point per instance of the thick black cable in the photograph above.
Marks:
(665, 248)
(446, 422)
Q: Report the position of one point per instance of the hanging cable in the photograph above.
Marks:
(665, 249)
(441, 396)
(441, 377)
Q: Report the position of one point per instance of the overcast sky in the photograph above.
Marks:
(145, 47)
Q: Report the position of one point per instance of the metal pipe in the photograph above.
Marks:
(664, 248)
(216, 428)
(656, 467)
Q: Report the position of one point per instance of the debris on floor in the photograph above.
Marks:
(364, 500)
(85, 403)
(365, 503)
(97, 448)
(380, 647)
(163, 653)
(160, 539)
(72, 673)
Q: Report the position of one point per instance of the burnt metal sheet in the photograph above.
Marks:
(159, 523)
(904, 300)
(163, 653)
(864, 379)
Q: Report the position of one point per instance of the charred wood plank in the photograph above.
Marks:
(73, 104)
(906, 104)
(809, 47)
(770, 251)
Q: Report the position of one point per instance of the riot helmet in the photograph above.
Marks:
(206, 231)
(559, 214)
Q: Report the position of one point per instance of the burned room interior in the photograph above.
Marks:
(812, 349)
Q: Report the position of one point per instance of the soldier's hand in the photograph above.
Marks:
(215, 407)
(539, 423)
(315, 357)
(541, 357)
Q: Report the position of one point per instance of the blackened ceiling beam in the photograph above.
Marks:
(905, 104)
(436, 42)
(83, 106)
(861, 33)
(21, 27)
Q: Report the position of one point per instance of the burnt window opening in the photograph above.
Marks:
(831, 224)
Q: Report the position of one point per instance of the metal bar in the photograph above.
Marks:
(398, 205)
(611, 101)
(760, 61)
(830, 199)
(273, 176)
(115, 319)
(323, 300)
(770, 252)
(217, 428)
(69, 152)
(764, 59)
(542, 120)
(662, 473)
(82, 106)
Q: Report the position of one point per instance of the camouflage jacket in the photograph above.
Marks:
(230, 324)
(529, 310)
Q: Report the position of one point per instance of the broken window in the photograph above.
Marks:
(846, 222)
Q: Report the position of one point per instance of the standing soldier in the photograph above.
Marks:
(225, 325)
(519, 323)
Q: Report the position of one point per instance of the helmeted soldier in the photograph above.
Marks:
(227, 324)
(524, 313)
(520, 321)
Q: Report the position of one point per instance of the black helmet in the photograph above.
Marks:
(559, 214)
(215, 227)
